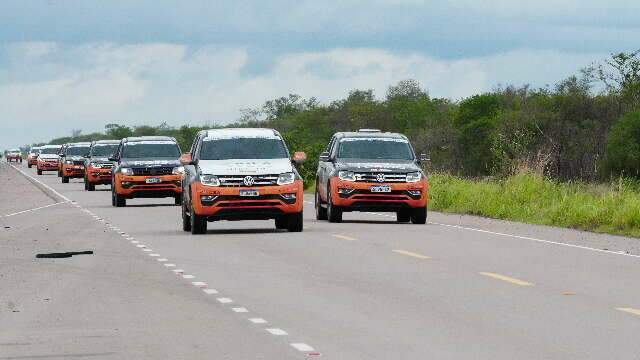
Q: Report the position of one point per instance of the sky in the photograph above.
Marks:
(75, 64)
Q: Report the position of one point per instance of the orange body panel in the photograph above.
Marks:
(137, 183)
(47, 165)
(391, 199)
(98, 175)
(198, 190)
(72, 171)
(32, 160)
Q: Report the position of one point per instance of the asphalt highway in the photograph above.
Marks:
(459, 287)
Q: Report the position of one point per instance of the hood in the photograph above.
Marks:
(146, 163)
(360, 165)
(74, 157)
(245, 166)
(99, 159)
(49, 156)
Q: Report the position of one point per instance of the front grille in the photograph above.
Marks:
(153, 171)
(106, 165)
(238, 180)
(386, 177)
(78, 162)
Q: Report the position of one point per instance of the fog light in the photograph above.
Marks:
(291, 196)
(345, 191)
(414, 192)
(208, 198)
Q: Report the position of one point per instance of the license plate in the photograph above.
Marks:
(249, 193)
(381, 189)
(153, 180)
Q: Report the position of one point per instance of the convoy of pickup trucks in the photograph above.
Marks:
(247, 174)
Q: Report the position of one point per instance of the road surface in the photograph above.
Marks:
(459, 287)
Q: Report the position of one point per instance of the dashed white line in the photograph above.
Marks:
(240, 310)
(199, 284)
(154, 255)
(210, 291)
(258, 320)
(188, 276)
(178, 271)
(302, 347)
(169, 265)
(147, 250)
(162, 260)
(224, 300)
(277, 332)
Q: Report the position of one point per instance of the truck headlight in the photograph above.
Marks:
(414, 177)
(286, 178)
(68, 162)
(178, 170)
(347, 175)
(209, 180)
(126, 171)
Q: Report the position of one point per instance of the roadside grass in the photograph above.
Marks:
(608, 208)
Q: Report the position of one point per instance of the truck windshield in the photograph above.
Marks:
(49, 151)
(77, 150)
(156, 149)
(375, 148)
(243, 148)
(103, 150)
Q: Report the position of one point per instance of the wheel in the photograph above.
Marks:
(295, 222)
(282, 222)
(29, 166)
(334, 213)
(59, 173)
(65, 180)
(118, 200)
(86, 187)
(321, 212)
(91, 186)
(186, 219)
(39, 172)
(419, 215)
(198, 223)
(178, 199)
(403, 216)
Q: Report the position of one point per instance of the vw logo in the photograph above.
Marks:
(248, 180)
(380, 177)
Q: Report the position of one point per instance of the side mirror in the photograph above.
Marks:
(299, 157)
(324, 156)
(113, 158)
(186, 159)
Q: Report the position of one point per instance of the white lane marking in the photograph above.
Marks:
(135, 241)
(141, 246)
(162, 260)
(199, 284)
(240, 310)
(147, 250)
(130, 238)
(188, 276)
(169, 265)
(210, 291)
(277, 332)
(34, 209)
(224, 300)
(302, 347)
(535, 239)
(258, 320)
(154, 255)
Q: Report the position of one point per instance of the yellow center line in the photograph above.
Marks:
(507, 279)
(630, 310)
(344, 237)
(412, 254)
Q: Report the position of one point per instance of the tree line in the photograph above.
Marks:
(585, 127)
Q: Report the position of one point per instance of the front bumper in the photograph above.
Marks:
(32, 161)
(47, 166)
(225, 203)
(98, 175)
(357, 196)
(137, 186)
(73, 171)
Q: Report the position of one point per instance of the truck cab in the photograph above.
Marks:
(32, 158)
(72, 160)
(97, 165)
(241, 174)
(146, 167)
(48, 158)
(369, 170)
(14, 155)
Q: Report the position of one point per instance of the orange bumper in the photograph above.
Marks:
(72, 171)
(47, 166)
(141, 186)
(98, 175)
(227, 200)
(358, 194)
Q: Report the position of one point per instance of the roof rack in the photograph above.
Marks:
(369, 130)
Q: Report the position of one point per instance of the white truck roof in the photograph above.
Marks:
(232, 133)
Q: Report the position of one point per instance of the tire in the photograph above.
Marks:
(198, 223)
(29, 166)
(334, 213)
(86, 185)
(186, 219)
(118, 200)
(59, 173)
(178, 200)
(282, 222)
(419, 215)
(295, 222)
(321, 212)
(403, 216)
(65, 180)
(91, 187)
(39, 172)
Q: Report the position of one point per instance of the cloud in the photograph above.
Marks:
(51, 88)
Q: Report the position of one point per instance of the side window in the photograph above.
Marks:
(333, 139)
(334, 148)
(195, 148)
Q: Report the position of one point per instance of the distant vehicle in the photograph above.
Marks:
(146, 167)
(32, 158)
(241, 174)
(72, 160)
(14, 155)
(48, 158)
(60, 153)
(371, 170)
(97, 165)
